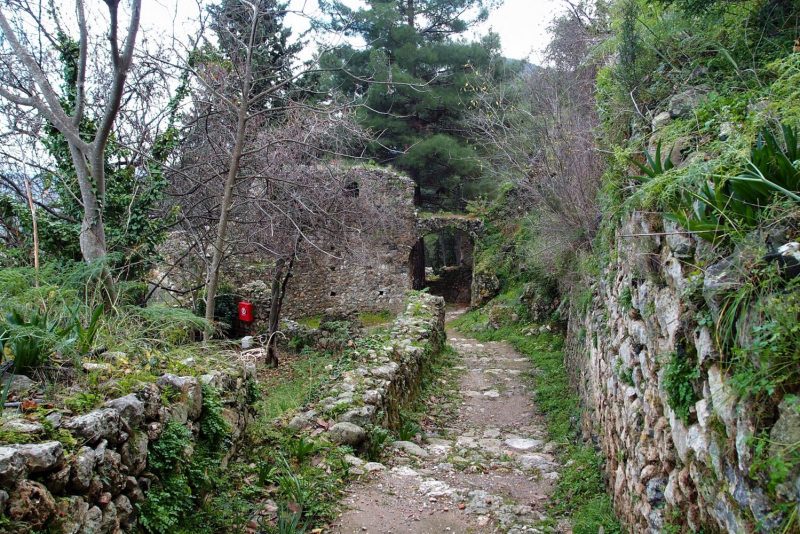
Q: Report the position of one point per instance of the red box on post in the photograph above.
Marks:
(246, 312)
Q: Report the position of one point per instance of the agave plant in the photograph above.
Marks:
(771, 168)
(655, 165)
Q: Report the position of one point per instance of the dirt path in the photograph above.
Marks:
(490, 470)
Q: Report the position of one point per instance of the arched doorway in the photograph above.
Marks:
(442, 261)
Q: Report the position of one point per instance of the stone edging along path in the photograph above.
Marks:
(489, 470)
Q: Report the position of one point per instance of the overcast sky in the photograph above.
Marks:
(522, 24)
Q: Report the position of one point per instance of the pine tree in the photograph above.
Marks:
(414, 79)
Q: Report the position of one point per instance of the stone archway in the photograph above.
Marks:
(451, 277)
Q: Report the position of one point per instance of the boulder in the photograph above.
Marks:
(303, 420)
(131, 410)
(661, 120)
(12, 466)
(411, 448)
(124, 508)
(30, 502)
(348, 434)
(41, 457)
(111, 473)
(96, 425)
(134, 453)
(150, 396)
(360, 416)
(69, 516)
(3, 501)
(684, 103)
(56, 481)
(189, 389)
(83, 469)
(23, 426)
(19, 384)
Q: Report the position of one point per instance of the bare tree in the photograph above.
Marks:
(27, 80)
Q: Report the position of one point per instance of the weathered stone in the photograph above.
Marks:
(661, 120)
(92, 367)
(524, 444)
(93, 522)
(96, 425)
(131, 410)
(348, 434)
(12, 466)
(360, 416)
(189, 389)
(41, 457)
(387, 372)
(150, 396)
(134, 453)
(411, 448)
(3, 501)
(123, 507)
(785, 434)
(111, 473)
(371, 467)
(684, 103)
(19, 384)
(372, 397)
(32, 503)
(69, 516)
(23, 426)
(721, 278)
(56, 481)
(83, 469)
(303, 420)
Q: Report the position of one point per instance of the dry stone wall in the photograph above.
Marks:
(96, 487)
(666, 470)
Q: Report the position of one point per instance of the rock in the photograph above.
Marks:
(303, 420)
(538, 461)
(12, 466)
(524, 444)
(123, 507)
(32, 503)
(720, 279)
(785, 434)
(434, 488)
(92, 523)
(360, 416)
(655, 491)
(684, 103)
(83, 469)
(69, 516)
(54, 419)
(150, 396)
(19, 384)
(91, 367)
(355, 461)
(23, 426)
(482, 502)
(725, 131)
(661, 120)
(41, 457)
(372, 397)
(371, 467)
(411, 448)
(347, 434)
(134, 453)
(96, 425)
(56, 481)
(387, 372)
(111, 473)
(189, 389)
(3, 501)
(131, 410)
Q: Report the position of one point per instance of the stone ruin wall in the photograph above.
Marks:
(660, 469)
(371, 276)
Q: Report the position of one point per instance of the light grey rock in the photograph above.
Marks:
(355, 461)
(371, 467)
(303, 420)
(372, 397)
(411, 448)
(661, 120)
(482, 502)
(684, 103)
(23, 426)
(348, 434)
(83, 469)
(360, 416)
(93, 522)
(721, 278)
(190, 390)
(19, 383)
(96, 425)
(12, 466)
(387, 372)
(92, 367)
(130, 408)
(524, 444)
(54, 419)
(783, 436)
(538, 461)
(40, 457)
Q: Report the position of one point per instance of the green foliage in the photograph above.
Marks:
(83, 402)
(214, 428)
(409, 429)
(30, 340)
(655, 166)
(302, 448)
(85, 336)
(378, 437)
(681, 369)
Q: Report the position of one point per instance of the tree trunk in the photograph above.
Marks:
(418, 265)
(278, 292)
(410, 12)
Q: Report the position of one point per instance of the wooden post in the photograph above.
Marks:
(35, 231)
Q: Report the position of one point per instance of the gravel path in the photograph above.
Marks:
(490, 470)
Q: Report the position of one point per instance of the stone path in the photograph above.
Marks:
(491, 470)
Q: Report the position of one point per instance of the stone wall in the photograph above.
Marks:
(663, 469)
(95, 487)
(387, 379)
